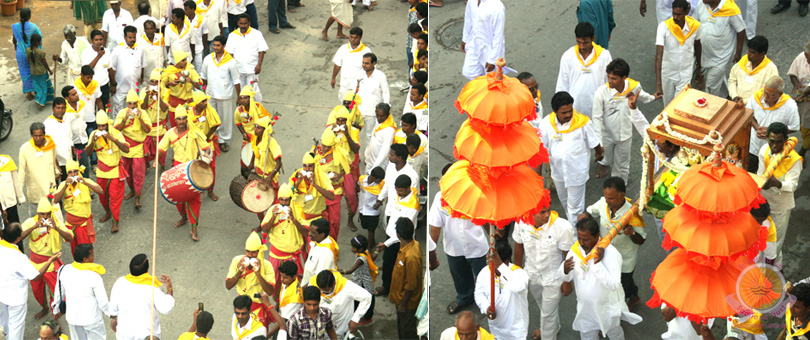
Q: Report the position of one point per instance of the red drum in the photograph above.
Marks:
(251, 194)
(182, 182)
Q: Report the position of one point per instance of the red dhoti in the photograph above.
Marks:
(83, 230)
(277, 257)
(333, 215)
(350, 192)
(190, 209)
(113, 194)
(136, 171)
(38, 286)
(150, 150)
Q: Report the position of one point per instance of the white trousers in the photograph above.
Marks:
(12, 318)
(781, 218)
(245, 79)
(121, 336)
(615, 333)
(225, 108)
(671, 87)
(365, 2)
(749, 11)
(717, 80)
(572, 198)
(198, 61)
(548, 300)
(91, 332)
(365, 135)
(663, 13)
(617, 157)
(473, 65)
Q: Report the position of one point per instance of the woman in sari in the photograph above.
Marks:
(22, 32)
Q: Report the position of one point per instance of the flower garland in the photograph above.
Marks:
(663, 120)
(645, 155)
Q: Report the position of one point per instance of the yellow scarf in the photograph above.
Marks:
(789, 324)
(635, 221)
(597, 50)
(584, 260)
(421, 106)
(143, 279)
(631, 85)
(743, 64)
(551, 220)
(3, 243)
(95, 267)
(729, 9)
(201, 11)
(372, 189)
(254, 326)
(758, 98)
(239, 31)
(771, 231)
(484, 335)
(292, 294)
(753, 325)
(340, 282)
(332, 246)
(226, 57)
(54, 117)
(186, 29)
(389, 122)
(87, 90)
(785, 164)
(49, 144)
(158, 40)
(677, 31)
(412, 202)
(69, 109)
(372, 268)
(577, 121)
(7, 164)
(418, 152)
(358, 49)
(127, 46)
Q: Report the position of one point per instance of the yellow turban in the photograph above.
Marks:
(308, 158)
(180, 112)
(254, 243)
(197, 97)
(247, 91)
(132, 96)
(350, 95)
(74, 165)
(102, 118)
(328, 138)
(44, 206)
(264, 122)
(155, 75)
(341, 111)
(285, 191)
(179, 56)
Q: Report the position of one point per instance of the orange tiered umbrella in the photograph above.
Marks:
(740, 235)
(493, 101)
(717, 189)
(499, 147)
(696, 291)
(472, 192)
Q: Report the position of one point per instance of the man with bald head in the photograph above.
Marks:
(50, 330)
(466, 328)
(770, 104)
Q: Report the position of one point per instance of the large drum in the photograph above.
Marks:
(251, 194)
(182, 182)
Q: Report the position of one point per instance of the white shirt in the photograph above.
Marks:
(612, 117)
(581, 82)
(543, 249)
(379, 145)
(621, 242)
(114, 26)
(677, 62)
(342, 306)
(127, 62)
(180, 40)
(101, 75)
(237, 8)
(215, 14)
(261, 331)
(350, 64)
(718, 36)
(11, 193)
(221, 79)
(132, 303)
(15, 272)
(320, 259)
(198, 29)
(461, 237)
(87, 299)
(389, 190)
(78, 125)
(600, 298)
(742, 85)
(800, 69)
(246, 48)
(787, 114)
(138, 23)
(399, 211)
(153, 53)
(366, 200)
(483, 30)
(681, 329)
(89, 110)
(72, 56)
(289, 309)
(422, 118)
(62, 137)
(420, 162)
(373, 90)
(570, 153)
(511, 301)
(780, 199)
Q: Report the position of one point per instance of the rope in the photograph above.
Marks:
(157, 187)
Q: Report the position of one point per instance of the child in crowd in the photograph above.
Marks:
(364, 272)
(369, 188)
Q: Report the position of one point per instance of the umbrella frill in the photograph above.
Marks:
(718, 190)
(496, 102)
(499, 147)
(686, 229)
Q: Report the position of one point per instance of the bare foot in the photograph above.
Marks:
(138, 202)
(181, 222)
(41, 313)
(352, 227)
(342, 36)
(602, 171)
(292, 10)
(105, 218)
(324, 36)
(213, 196)
(115, 227)
(194, 234)
(302, 5)
(369, 8)
(29, 96)
(536, 334)
(131, 194)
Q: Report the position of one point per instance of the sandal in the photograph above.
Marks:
(380, 291)
(453, 308)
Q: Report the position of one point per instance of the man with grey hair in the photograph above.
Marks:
(38, 167)
(799, 73)
(71, 54)
(770, 104)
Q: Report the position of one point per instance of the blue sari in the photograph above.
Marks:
(22, 58)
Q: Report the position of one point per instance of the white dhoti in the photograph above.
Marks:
(365, 134)
(781, 218)
(548, 300)
(12, 318)
(342, 12)
(225, 130)
(473, 64)
(615, 333)
(617, 156)
(251, 79)
(749, 11)
(717, 80)
(90, 332)
(572, 198)
(671, 87)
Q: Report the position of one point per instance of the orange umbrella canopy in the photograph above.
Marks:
(497, 146)
(696, 292)
(472, 192)
(496, 102)
(717, 190)
(740, 235)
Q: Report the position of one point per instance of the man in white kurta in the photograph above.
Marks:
(380, 138)
(71, 52)
(770, 104)
(199, 31)
(374, 90)
(221, 76)
(247, 46)
(677, 42)
(780, 188)
(320, 256)
(58, 127)
(582, 69)
(511, 318)
(154, 49)
(403, 207)
(38, 167)
(216, 16)
(540, 249)
(127, 63)
(178, 36)
(131, 301)
(87, 303)
(722, 38)
(113, 23)
(348, 61)
(752, 71)
(417, 104)
(340, 298)
(482, 40)
(397, 167)
(663, 8)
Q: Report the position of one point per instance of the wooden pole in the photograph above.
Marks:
(617, 227)
(492, 268)
(776, 159)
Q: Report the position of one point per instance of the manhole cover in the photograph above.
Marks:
(450, 34)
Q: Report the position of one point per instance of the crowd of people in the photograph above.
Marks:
(595, 107)
(140, 87)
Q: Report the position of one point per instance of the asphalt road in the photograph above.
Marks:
(537, 33)
(295, 82)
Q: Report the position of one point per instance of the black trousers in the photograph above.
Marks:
(389, 260)
(629, 286)
(406, 325)
(105, 96)
(801, 2)
(753, 162)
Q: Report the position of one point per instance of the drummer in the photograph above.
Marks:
(134, 125)
(266, 160)
(109, 145)
(311, 188)
(335, 163)
(347, 139)
(186, 141)
(246, 115)
(283, 228)
(152, 102)
(178, 83)
(207, 121)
